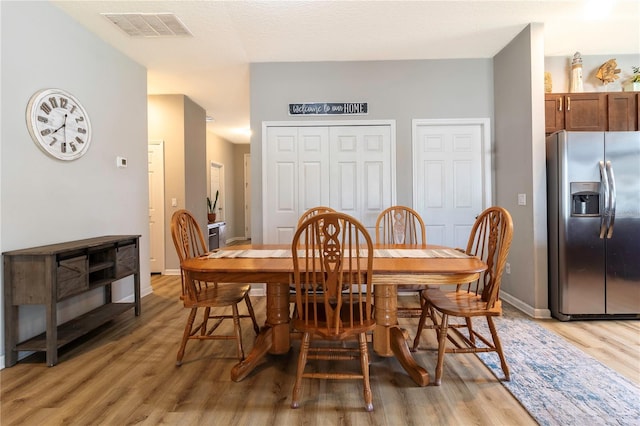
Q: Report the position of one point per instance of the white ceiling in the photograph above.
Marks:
(212, 67)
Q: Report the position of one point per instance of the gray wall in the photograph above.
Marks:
(45, 200)
(238, 229)
(394, 90)
(180, 123)
(520, 165)
(195, 146)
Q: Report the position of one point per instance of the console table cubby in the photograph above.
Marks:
(48, 274)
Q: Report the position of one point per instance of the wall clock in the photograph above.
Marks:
(59, 124)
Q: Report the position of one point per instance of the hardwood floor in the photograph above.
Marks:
(125, 373)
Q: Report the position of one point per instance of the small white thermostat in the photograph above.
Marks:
(121, 162)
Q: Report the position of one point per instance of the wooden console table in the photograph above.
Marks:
(48, 274)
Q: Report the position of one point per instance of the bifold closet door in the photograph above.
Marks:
(296, 178)
(346, 167)
(360, 167)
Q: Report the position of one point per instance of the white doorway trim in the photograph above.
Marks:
(487, 151)
(247, 196)
(216, 183)
(157, 207)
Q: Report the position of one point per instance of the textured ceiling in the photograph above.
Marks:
(212, 67)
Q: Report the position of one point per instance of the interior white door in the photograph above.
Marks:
(361, 178)
(349, 168)
(156, 206)
(313, 168)
(296, 175)
(451, 177)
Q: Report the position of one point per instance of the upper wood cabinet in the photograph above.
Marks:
(576, 112)
(623, 111)
(553, 112)
(591, 111)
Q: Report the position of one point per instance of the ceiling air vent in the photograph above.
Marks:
(149, 24)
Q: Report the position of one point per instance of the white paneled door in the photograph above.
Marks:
(451, 182)
(349, 168)
(360, 167)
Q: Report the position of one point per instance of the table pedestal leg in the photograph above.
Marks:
(388, 338)
(274, 336)
(401, 351)
(386, 308)
(278, 317)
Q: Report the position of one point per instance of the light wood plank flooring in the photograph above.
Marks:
(125, 373)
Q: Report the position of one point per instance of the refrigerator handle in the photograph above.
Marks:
(605, 210)
(612, 202)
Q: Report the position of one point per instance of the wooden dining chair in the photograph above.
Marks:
(403, 225)
(334, 297)
(489, 240)
(313, 211)
(199, 292)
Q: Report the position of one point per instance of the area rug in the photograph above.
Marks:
(557, 383)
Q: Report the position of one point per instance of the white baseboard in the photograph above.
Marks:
(524, 307)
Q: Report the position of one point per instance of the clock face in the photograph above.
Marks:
(58, 124)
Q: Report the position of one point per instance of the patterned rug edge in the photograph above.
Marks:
(557, 383)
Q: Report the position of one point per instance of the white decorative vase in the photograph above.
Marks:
(632, 87)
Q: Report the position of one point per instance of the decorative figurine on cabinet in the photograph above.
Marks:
(576, 74)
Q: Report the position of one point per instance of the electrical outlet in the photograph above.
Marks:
(121, 162)
(507, 268)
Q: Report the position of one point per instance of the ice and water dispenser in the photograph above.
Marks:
(585, 198)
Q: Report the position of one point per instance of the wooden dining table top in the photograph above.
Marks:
(433, 266)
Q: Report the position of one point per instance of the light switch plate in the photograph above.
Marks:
(522, 199)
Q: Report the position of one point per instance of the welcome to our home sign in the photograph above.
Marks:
(329, 108)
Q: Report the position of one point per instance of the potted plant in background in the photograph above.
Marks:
(211, 212)
(634, 82)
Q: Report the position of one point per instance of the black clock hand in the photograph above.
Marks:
(64, 124)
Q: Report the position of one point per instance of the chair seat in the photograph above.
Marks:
(221, 294)
(320, 327)
(460, 303)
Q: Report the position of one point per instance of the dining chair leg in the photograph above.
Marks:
(185, 335)
(434, 319)
(421, 322)
(247, 300)
(302, 362)
(238, 330)
(498, 346)
(472, 337)
(364, 363)
(205, 319)
(442, 341)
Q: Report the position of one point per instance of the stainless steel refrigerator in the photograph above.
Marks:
(593, 189)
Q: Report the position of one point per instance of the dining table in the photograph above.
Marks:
(272, 264)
